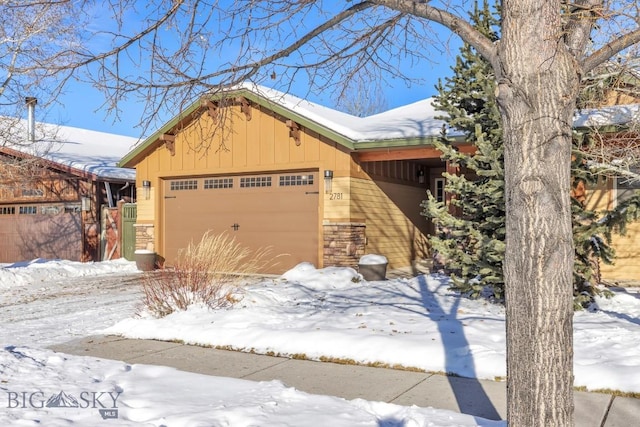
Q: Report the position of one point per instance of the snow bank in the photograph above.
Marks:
(324, 278)
(39, 270)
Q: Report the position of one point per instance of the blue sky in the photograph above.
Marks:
(82, 104)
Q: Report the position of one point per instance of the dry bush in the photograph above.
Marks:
(208, 273)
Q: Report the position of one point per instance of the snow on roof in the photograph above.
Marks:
(615, 115)
(416, 120)
(86, 150)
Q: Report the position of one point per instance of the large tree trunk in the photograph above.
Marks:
(536, 94)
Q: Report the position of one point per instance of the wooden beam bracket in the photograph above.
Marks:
(294, 131)
(245, 106)
(169, 142)
(212, 109)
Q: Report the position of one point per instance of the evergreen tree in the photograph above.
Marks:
(470, 231)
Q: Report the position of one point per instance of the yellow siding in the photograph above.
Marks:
(627, 264)
(267, 149)
(600, 197)
(395, 227)
(337, 203)
(145, 208)
(260, 144)
(244, 132)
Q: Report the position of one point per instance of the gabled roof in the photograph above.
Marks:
(79, 151)
(409, 125)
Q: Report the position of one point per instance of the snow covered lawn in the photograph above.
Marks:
(418, 323)
(322, 314)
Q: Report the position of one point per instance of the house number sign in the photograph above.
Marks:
(335, 196)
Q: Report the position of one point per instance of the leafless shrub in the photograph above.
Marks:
(209, 272)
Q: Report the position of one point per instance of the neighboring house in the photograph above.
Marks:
(313, 183)
(54, 183)
(618, 127)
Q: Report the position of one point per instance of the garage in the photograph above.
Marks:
(44, 231)
(277, 210)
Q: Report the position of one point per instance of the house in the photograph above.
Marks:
(315, 184)
(616, 126)
(56, 186)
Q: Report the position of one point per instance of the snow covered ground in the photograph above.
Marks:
(319, 313)
(44, 303)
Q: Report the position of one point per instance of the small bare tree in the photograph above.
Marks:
(38, 45)
(362, 97)
(38, 41)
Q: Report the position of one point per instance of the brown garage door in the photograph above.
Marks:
(36, 231)
(276, 210)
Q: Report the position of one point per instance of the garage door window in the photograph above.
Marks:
(8, 210)
(288, 180)
(28, 210)
(255, 181)
(51, 210)
(215, 183)
(187, 184)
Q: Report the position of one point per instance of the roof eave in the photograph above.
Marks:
(130, 159)
(403, 142)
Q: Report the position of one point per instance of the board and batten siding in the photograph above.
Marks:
(627, 263)
(261, 144)
(626, 266)
(391, 212)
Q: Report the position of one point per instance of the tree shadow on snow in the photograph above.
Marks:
(470, 396)
(469, 393)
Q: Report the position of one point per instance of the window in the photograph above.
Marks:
(50, 210)
(8, 210)
(255, 181)
(214, 183)
(185, 184)
(32, 192)
(288, 180)
(28, 210)
(438, 189)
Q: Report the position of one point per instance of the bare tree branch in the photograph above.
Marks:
(610, 49)
(454, 23)
(582, 15)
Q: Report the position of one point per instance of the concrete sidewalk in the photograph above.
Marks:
(485, 399)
